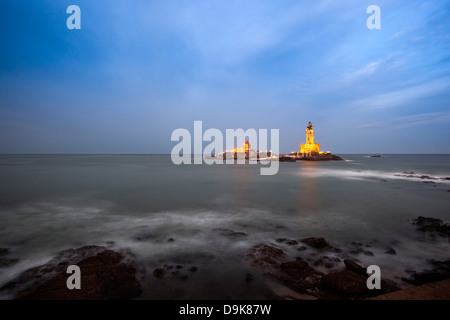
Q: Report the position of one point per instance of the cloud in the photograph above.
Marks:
(401, 97)
(410, 120)
(366, 71)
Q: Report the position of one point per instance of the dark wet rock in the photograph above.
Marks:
(248, 278)
(301, 248)
(417, 176)
(368, 253)
(321, 157)
(176, 272)
(318, 243)
(179, 266)
(280, 227)
(36, 276)
(287, 241)
(390, 251)
(170, 240)
(6, 262)
(145, 237)
(159, 273)
(184, 277)
(353, 266)
(422, 221)
(286, 159)
(327, 262)
(193, 269)
(299, 275)
(440, 271)
(427, 276)
(356, 244)
(356, 251)
(230, 233)
(346, 282)
(432, 225)
(264, 255)
(351, 285)
(105, 276)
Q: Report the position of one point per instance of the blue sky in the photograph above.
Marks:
(137, 70)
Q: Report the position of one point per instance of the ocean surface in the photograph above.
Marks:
(50, 203)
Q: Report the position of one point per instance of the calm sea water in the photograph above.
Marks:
(50, 203)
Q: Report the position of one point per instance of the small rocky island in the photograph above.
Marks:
(309, 151)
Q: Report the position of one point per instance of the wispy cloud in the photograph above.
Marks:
(410, 120)
(401, 97)
(366, 71)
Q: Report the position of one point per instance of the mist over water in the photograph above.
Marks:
(50, 203)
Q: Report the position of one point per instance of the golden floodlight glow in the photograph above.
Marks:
(310, 147)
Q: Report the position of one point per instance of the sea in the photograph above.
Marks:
(160, 214)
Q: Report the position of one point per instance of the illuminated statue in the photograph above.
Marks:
(310, 147)
(310, 133)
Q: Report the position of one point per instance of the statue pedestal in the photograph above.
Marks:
(310, 148)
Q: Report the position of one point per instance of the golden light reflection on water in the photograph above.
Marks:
(242, 177)
(308, 198)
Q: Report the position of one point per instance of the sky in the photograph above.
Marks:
(138, 70)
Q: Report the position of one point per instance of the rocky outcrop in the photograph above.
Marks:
(321, 157)
(358, 248)
(287, 241)
(286, 159)
(346, 282)
(354, 267)
(440, 271)
(5, 261)
(432, 225)
(303, 278)
(160, 273)
(104, 276)
(230, 233)
(299, 276)
(412, 174)
(264, 255)
(318, 243)
(390, 251)
(351, 284)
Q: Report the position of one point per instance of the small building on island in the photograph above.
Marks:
(247, 153)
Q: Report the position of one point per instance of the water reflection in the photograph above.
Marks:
(309, 200)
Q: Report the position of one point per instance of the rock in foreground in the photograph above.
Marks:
(318, 243)
(104, 276)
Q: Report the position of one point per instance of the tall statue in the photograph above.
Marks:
(310, 133)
